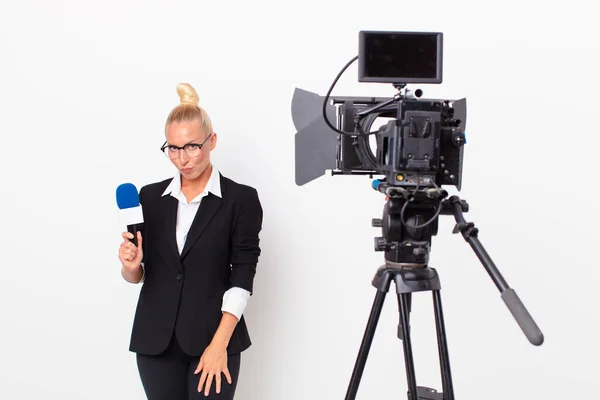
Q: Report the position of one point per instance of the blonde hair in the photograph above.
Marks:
(189, 110)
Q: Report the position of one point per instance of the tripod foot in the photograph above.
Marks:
(400, 334)
(425, 393)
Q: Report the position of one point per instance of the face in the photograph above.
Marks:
(182, 133)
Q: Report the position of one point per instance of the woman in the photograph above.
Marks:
(197, 257)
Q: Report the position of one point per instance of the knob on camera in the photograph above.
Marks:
(380, 244)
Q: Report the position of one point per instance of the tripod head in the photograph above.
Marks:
(410, 220)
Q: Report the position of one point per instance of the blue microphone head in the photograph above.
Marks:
(127, 196)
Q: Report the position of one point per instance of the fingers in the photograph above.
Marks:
(227, 375)
(126, 236)
(210, 370)
(218, 383)
(128, 248)
(202, 380)
(128, 245)
(207, 377)
(199, 367)
(128, 252)
(208, 385)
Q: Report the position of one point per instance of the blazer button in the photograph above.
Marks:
(178, 277)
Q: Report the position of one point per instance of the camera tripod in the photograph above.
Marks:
(409, 221)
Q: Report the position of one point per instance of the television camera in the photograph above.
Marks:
(417, 152)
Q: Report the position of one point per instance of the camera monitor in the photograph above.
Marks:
(400, 57)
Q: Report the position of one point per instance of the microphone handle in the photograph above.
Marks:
(134, 228)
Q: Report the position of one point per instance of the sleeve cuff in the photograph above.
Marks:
(235, 301)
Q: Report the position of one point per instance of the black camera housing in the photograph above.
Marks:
(421, 144)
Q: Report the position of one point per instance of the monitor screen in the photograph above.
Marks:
(400, 57)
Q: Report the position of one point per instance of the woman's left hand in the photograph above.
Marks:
(213, 363)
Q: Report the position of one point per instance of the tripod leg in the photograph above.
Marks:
(403, 303)
(365, 346)
(447, 386)
(400, 330)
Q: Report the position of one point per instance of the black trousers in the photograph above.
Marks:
(170, 376)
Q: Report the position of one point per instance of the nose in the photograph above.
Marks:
(183, 157)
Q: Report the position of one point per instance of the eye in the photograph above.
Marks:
(172, 149)
(193, 146)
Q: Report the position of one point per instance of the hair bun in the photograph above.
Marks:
(187, 94)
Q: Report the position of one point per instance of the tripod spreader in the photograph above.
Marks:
(512, 301)
(408, 281)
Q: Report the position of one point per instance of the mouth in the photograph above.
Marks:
(186, 170)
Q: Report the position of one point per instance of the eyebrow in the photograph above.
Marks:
(192, 142)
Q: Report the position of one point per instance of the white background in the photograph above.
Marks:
(85, 88)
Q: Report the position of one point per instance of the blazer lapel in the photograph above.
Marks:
(207, 210)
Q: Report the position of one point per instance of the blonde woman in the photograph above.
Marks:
(196, 259)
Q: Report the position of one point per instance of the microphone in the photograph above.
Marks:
(130, 209)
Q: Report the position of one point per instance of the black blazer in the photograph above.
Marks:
(183, 294)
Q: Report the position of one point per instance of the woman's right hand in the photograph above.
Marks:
(131, 256)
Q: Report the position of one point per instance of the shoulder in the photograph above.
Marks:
(238, 191)
(233, 187)
(154, 190)
(244, 201)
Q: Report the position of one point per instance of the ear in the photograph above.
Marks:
(213, 141)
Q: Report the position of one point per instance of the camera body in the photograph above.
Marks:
(421, 145)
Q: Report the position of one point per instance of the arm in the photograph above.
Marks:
(244, 258)
(223, 334)
(234, 303)
(245, 251)
(245, 248)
